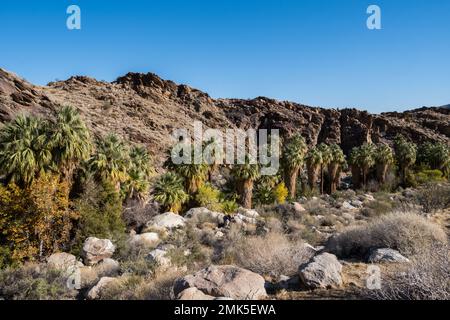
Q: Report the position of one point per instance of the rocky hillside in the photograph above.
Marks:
(145, 109)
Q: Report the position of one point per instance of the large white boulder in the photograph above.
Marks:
(103, 284)
(95, 250)
(64, 262)
(166, 221)
(148, 240)
(323, 271)
(159, 257)
(224, 281)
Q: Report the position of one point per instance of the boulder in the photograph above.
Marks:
(64, 262)
(102, 284)
(369, 197)
(356, 203)
(240, 219)
(95, 250)
(193, 294)
(248, 212)
(107, 268)
(160, 257)
(298, 207)
(224, 281)
(347, 206)
(323, 271)
(148, 239)
(166, 221)
(386, 255)
(198, 213)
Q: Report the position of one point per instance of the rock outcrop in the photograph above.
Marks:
(144, 108)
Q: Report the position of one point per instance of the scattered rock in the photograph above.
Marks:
(357, 203)
(386, 255)
(107, 268)
(95, 250)
(240, 219)
(346, 205)
(248, 212)
(324, 271)
(148, 239)
(193, 294)
(198, 213)
(159, 256)
(103, 284)
(369, 197)
(166, 221)
(226, 281)
(298, 207)
(64, 262)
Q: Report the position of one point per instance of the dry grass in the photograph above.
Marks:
(406, 232)
(427, 277)
(157, 287)
(272, 254)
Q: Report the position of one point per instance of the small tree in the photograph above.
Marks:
(169, 192)
(293, 156)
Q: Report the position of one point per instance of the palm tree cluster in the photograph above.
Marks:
(31, 146)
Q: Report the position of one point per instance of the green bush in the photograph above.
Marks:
(100, 209)
(429, 176)
(34, 282)
(209, 197)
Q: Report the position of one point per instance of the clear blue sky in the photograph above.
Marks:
(317, 52)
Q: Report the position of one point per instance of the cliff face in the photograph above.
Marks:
(145, 109)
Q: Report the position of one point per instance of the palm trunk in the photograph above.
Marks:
(321, 179)
(382, 169)
(292, 182)
(332, 172)
(247, 193)
(312, 177)
(356, 177)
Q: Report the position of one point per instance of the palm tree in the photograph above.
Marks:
(293, 156)
(169, 192)
(405, 154)
(327, 156)
(214, 159)
(313, 161)
(24, 149)
(335, 166)
(355, 167)
(384, 157)
(366, 160)
(194, 174)
(245, 174)
(70, 141)
(139, 173)
(111, 161)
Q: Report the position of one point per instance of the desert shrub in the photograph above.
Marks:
(271, 254)
(425, 278)
(34, 282)
(136, 215)
(406, 232)
(229, 206)
(380, 206)
(433, 197)
(209, 197)
(280, 193)
(429, 176)
(100, 209)
(156, 287)
(35, 221)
